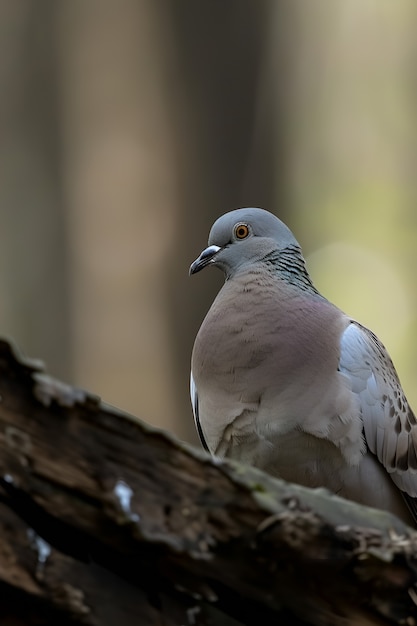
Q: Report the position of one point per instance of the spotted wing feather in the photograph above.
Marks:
(390, 426)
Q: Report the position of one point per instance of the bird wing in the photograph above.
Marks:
(390, 426)
(194, 404)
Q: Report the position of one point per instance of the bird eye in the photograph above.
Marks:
(241, 231)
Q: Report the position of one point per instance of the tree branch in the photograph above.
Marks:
(106, 520)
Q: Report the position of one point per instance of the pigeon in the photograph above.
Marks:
(284, 380)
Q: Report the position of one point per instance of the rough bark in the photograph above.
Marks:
(105, 521)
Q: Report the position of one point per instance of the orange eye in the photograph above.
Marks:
(241, 231)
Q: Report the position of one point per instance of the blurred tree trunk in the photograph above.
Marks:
(33, 252)
(232, 141)
(120, 182)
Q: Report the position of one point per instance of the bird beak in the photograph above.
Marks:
(205, 258)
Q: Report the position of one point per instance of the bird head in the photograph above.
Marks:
(242, 237)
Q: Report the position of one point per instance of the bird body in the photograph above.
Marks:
(284, 380)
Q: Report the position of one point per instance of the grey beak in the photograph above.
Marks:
(205, 258)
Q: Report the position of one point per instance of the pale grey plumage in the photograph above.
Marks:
(284, 380)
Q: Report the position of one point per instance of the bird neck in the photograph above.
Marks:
(290, 265)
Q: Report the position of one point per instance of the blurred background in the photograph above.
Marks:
(128, 126)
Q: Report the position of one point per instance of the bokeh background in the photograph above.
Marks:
(128, 126)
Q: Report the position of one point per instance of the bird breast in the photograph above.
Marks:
(282, 357)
